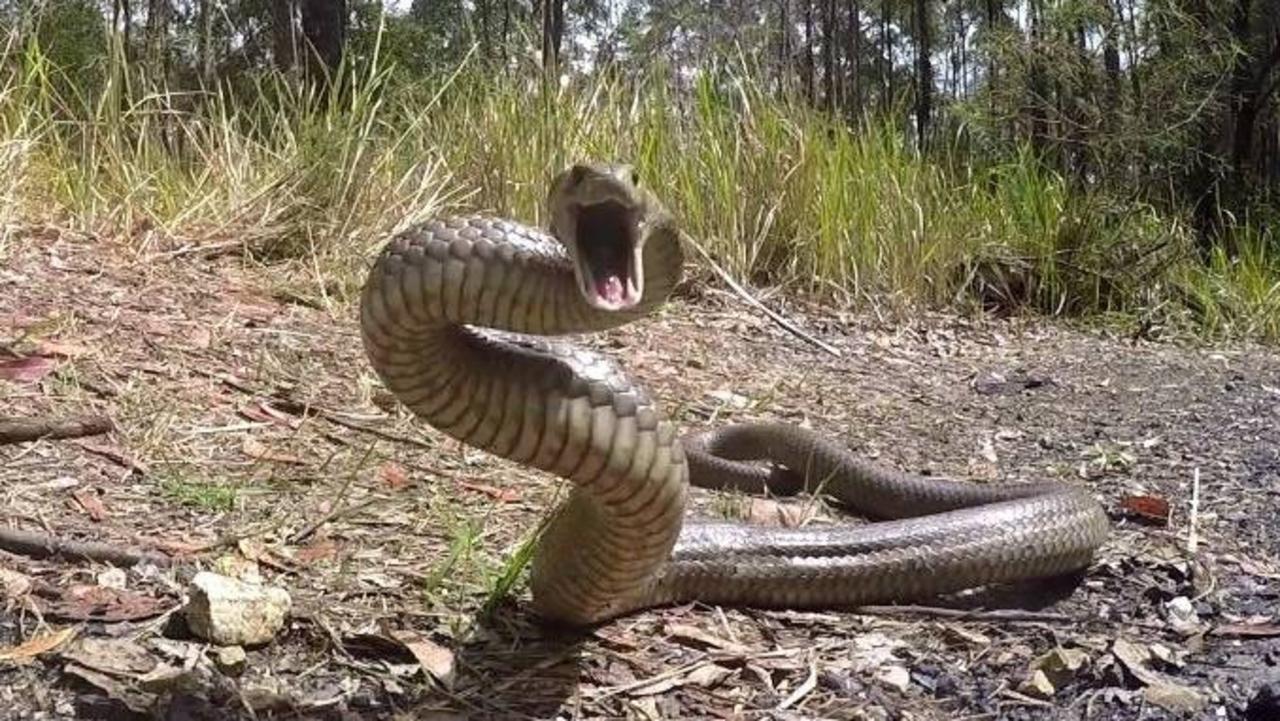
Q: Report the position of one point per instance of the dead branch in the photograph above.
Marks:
(20, 430)
(743, 294)
(962, 614)
(43, 545)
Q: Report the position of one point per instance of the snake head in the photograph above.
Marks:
(600, 214)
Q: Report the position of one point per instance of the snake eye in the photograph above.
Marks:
(635, 177)
(576, 174)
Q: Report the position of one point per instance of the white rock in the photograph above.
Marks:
(1182, 615)
(895, 677)
(234, 613)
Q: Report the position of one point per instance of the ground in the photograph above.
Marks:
(251, 437)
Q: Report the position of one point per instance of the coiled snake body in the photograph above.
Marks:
(456, 317)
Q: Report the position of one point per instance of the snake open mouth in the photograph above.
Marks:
(608, 255)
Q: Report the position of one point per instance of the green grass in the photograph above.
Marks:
(201, 495)
(779, 193)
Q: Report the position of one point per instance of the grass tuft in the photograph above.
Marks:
(779, 193)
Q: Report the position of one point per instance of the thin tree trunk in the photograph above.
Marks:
(284, 34)
(157, 35)
(552, 34)
(324, 25)
(853, 50)
(506, 30)
(1111, 56)
(784, 44)
(829, 87)
(924, 74)
(886, 59)
(206, 42)
(809, 70)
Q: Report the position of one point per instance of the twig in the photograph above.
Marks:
(1192, 540)
(742, 293)
(20, 430)
(333, 515)
(962, 614)
(302, 410)
(42, 545)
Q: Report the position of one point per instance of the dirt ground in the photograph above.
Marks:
(250, 437)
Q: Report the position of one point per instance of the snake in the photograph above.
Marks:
(468, 320)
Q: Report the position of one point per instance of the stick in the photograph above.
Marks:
(742, 293)
(1192, 540)
(20, 430)
(42, 545)
(965, 614)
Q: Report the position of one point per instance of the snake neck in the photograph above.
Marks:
(438, 318)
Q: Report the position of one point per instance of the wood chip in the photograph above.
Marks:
(28, 650)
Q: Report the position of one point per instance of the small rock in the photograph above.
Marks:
(1182, 615)
(112, 578)
(1057, 668)
(1265, 704)
(231, 660)
(1038, 685)
(1174, 698)
(234, 613)
(894, 677)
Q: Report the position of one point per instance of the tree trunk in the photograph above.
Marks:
(157, 35)
(853, 50)
(552, 34)
(324, 25)
(924, 74)
(122, 12)
(829, 87)
(808, 64)
(206, 43)
(284, 34)
(784, 44)
(886, 59)
(1111, 57)
(506, 30)
(1037, 93)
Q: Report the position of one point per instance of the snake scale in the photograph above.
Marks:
(459, 318)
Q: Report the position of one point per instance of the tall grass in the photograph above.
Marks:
(778, 192)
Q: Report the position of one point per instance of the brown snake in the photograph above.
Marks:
(449, 317)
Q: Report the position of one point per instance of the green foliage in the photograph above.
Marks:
(780, 193)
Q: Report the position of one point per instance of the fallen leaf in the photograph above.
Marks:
(1151, 509)
(709, 675)
(60, 349)
(114, 455)
(436, 660)
(1174, 698)
(91, 502)
(264, 412)
(36, 645)
(100, 603)
(393, 476)
(14, 584)
(1134, 658)
(255, 449)
(135, 701)
(1247, 630)
(26, 370)
(316, 550)
(683, 632)
(768, 512)
(505, 495)
(118, 657)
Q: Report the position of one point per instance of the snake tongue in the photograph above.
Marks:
(610, 289)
